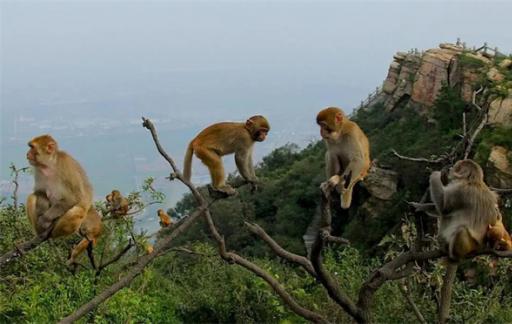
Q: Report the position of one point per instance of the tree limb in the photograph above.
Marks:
(19, 250)
(299, 259)
(432, 161)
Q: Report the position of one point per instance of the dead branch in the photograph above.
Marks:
(501, 190)
(404, 288)
(325, 278)
(446, 292)
(116, 258)
(299, 259)
(20, 250)
(16, 173)
(278, 288)
(471, 140)
(440, 159)
(391, 271)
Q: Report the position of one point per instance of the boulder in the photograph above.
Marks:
(499, 172)
(506, 64)
(500, 112)
(381, 183)
(495, 75)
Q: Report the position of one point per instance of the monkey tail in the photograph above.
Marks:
(187, 164)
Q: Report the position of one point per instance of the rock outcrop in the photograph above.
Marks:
(500, 111)
(417, 78)
(499, 169)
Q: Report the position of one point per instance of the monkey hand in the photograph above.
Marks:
(44, 227)
(329, 185)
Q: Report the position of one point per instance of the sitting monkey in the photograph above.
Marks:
(347, 158)
(221, 139)
(466, 207)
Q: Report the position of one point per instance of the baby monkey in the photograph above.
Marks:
(226, 138)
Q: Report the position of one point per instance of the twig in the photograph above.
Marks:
(299, 259)
(116, 258)
(16, 173)
(432, 161)
(471, 140)
(404, 288)
(20, 250)
(501, 190)
(278, 288)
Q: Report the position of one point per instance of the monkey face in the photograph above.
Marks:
(259, 127)
(41, 150)
(260, 135)
(330, 121)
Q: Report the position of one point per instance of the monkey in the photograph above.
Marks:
(226, 138)
(61, 203)
(149, 248)
(497, 237)
(348, 153)
(118, 204)
(466, 207)
(165, 219)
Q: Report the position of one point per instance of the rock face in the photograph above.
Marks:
(500, 111)
(434, 71)
(499, 171)
(381, 183)
(416, 78)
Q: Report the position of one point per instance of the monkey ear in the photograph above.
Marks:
(50, 148)
(338, 118)
(249, 123)
(489, 226)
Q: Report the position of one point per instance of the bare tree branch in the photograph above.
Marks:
(446, 292)
(299, 259)
(432, 161)
(278, 288)
(20, 250)
(471, 140)
(404, 288)
(325, 278)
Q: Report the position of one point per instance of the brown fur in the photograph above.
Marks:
(165, 219)
(61, 203)
(222, 139)
(119, 205)
(348, 152)
(497, 237)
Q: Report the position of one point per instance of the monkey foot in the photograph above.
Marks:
(217, 193)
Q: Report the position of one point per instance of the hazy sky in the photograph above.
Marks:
(193, 54)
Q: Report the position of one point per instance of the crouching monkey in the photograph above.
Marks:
(61, 203)
(467, 208)
(348, 153)
(221, 139)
